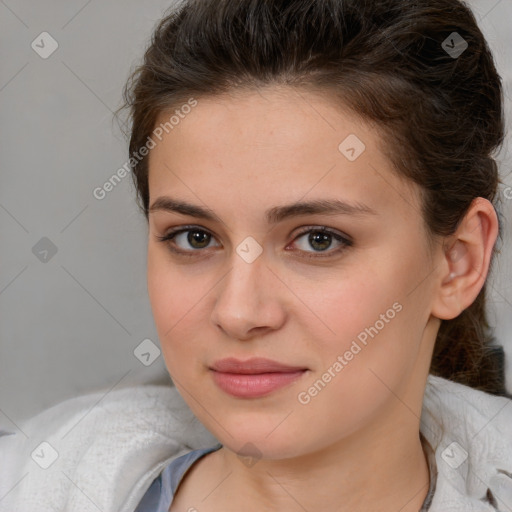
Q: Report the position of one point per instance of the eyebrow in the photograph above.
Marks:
(273, 215)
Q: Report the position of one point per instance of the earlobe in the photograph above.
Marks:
(464, 260)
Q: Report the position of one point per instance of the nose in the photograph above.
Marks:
(249, 300)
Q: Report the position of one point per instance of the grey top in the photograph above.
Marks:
(159, 496)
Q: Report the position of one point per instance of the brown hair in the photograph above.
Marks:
(393, 62)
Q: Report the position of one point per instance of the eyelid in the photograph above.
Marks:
(323, 229)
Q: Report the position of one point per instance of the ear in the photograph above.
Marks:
(464, 260)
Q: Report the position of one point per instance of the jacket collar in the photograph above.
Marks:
(470, 432)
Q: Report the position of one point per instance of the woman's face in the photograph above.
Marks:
(349, 307)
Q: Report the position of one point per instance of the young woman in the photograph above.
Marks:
(319, 184)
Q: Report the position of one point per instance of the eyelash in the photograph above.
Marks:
(169, 237)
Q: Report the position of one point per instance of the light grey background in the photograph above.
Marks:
(70, 325)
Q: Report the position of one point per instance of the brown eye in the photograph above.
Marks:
(201, 238)
(321, 239)
(187, 240)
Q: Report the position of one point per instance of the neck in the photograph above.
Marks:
(383, 465)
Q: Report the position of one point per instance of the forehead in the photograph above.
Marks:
(276, 142)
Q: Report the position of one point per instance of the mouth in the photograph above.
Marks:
(254, 378)
(253, 366)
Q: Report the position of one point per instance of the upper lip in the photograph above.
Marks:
(253, 366)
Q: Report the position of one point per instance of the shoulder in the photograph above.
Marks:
(471, 433)
(100, 448)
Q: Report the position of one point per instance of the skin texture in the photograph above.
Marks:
(355, 445)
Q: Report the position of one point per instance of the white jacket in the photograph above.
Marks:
(102, 451)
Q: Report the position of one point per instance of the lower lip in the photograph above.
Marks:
(252, 386)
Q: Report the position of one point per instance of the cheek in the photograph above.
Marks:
(362, 364)
(171, 294)
(168, 298)
(159, 290)
(372, 323)
(350, 304)
(176, 303)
